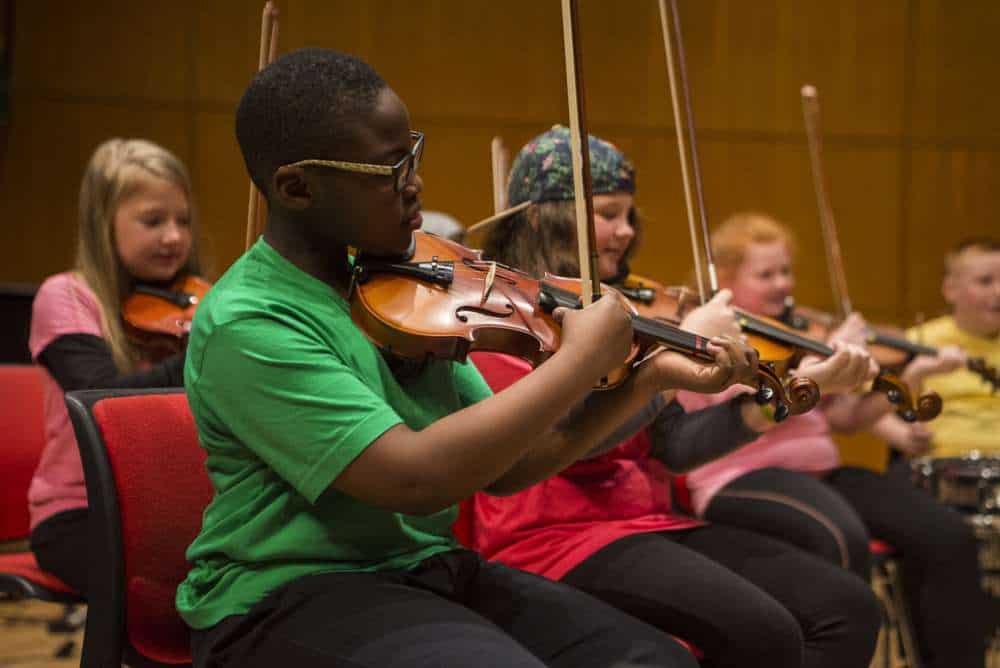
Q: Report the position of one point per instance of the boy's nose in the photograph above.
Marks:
(415, 184)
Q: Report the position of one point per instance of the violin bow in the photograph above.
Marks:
(580, 147)
(268, 50)
(834, 261)
(838, 277)
(923, 407)
(668, 16)
(499, 158)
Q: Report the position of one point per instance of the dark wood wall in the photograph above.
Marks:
(911, 114)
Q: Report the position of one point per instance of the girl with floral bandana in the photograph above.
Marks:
(605, 524)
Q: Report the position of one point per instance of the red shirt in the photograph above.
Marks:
(553, 526)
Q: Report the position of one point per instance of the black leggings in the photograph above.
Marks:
(452, 610)
(742, 598)
(834, 517)
(61, 544)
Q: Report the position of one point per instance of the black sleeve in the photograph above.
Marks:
(84, 362)
(683, 441)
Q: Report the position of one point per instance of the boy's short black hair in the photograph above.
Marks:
(302, 106)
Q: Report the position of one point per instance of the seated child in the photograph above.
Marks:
(328, 540)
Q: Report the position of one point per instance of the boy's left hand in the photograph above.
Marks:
(734, 363)
(923, 366)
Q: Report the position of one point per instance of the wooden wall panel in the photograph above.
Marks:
(953, 196)
(954, 59)
(222, 189)
(133, 51)
(909, 114)
(749, 59)
(42, 169)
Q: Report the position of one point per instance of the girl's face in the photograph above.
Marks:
(152, 228)
(764, 279)
(614, 232)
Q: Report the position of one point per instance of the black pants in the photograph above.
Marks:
(742, 598)
(61, 544)
(834, 517)
(452, 610)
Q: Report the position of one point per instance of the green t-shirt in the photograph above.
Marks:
(286, 391)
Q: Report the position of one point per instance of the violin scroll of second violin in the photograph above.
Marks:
(926, 407)
(979, 366)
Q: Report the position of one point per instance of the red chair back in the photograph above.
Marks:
(22, 438)
(155, 469)
(163, 488)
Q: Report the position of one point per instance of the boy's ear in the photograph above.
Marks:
(291, 188)
(949, 288)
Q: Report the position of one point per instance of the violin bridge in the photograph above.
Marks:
(488, 283)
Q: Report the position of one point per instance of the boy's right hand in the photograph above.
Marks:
(601, 334)
(848, 367)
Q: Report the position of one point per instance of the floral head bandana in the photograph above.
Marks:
(543, 169)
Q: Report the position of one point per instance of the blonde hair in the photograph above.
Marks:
(542, 238)
(731, 239)
(116, 171)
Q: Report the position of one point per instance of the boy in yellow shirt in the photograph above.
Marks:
(970, 419)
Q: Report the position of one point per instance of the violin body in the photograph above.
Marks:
(657, 301)
(459, 303)
(157, 320)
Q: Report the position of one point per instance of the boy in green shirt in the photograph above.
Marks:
(328, 541)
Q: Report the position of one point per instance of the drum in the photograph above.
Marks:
(970, 483)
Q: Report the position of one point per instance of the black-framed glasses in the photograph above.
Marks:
(400, 172)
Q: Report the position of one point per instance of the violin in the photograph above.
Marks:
(888, 345)
(655, 300)
(158, 319)
(444, 300)
(780, 346)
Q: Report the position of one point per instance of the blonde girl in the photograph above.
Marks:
(136, 225)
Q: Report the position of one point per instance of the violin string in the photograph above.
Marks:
(902, 344)
(659, 331)
(664, 333)
(755, 326)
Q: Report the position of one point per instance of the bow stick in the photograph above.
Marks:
(580, 147)
(268, 50)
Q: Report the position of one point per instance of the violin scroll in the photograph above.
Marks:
(800, 396)
(978, 366)
(926, 407)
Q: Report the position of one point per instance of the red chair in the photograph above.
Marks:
(147, 487)
(22, 438)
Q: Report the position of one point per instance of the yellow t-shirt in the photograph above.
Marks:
(970, 419)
